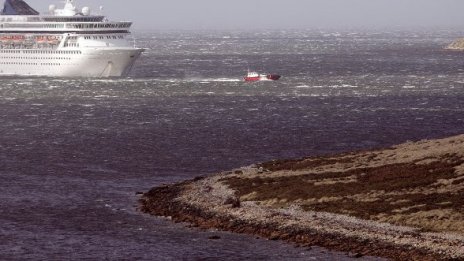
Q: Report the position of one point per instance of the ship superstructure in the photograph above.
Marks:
(65, 42)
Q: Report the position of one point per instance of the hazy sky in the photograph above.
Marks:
(278, 14)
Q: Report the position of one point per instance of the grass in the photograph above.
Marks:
(424, 193)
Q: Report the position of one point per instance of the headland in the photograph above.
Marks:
(457, 45)
(405, 202)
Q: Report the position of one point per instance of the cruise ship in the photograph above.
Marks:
(67, 42)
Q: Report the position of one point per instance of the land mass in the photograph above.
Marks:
(405, 202)
(457, 45)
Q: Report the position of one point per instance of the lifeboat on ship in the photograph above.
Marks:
(255, 77)
(18, 38)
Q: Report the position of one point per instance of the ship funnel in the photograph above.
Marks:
(17, 7)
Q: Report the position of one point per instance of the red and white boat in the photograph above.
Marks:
(254, 77)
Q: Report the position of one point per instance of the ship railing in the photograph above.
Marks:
(118, 25)
(35, 18)
(32, 25)
(79, 26)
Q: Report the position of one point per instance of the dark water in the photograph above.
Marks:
(73, 152)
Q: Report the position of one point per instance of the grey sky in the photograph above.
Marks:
(278, 14)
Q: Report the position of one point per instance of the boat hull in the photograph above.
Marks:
(89, 62)
(268, 77)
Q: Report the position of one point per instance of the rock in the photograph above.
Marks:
(214, 237)
(356, 255)
(233, 201)
(207, 189)
(275, 236)
(198, 178)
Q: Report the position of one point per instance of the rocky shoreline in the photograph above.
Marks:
(457, 45)
(402, 203)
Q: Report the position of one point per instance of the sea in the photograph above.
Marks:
(74, 152)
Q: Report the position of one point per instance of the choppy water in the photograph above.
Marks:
(73, 152)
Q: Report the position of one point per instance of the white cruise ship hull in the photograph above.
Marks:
(67, 42)
(98, 62)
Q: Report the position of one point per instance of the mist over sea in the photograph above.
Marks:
(74, 152)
